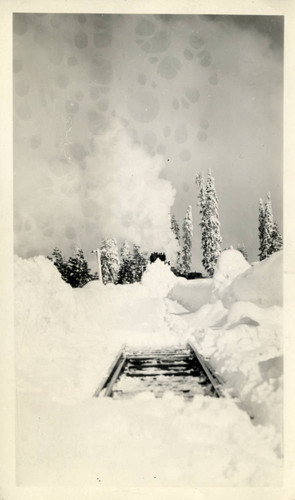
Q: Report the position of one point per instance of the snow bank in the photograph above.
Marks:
(192, 294)
(230, 264)
(261, 284)
(66, 339)
(240, 331)
(73, 334)
(158, 279)
(145, 442)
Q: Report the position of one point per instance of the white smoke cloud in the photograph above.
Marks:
(119, 193)
(130, 199)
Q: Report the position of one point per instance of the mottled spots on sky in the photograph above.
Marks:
(169, 67)
(77, 76)
(185, 155)
(180, 134)
(202, 136)
(143, 106)
(81, 40)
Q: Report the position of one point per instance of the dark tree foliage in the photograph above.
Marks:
(133, 264)
(60, 263)
(126, 272)
(270, 238)
(75, 270)
(139, 263)
(175, 228)
(78, 270)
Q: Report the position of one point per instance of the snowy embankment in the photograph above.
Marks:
(66, 339)
(239, 328)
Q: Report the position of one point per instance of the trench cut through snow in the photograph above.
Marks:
(181, 370)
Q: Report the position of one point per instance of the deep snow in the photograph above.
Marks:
(66, 339)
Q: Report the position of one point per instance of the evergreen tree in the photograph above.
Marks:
(262, 248)
(175, 228)
(270, 239)
(78, 272)
(241, 248)
(110, 262)
(187, 228)
(276, 240)
(210, 225)
(59, 262)
(268, 226)
(126, 272)
(201, 204)
(139, 263)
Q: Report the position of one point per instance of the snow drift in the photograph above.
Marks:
(240, 331)
(66, 339)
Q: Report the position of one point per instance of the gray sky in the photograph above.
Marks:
(115, 115)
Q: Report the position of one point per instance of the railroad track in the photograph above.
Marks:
(179, 369)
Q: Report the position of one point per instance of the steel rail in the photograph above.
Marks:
(206, 369)
(110, 372)
(115, 376)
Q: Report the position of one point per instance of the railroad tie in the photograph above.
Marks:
(181, 370)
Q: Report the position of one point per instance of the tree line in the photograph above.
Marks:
(127, 265)
(119, 267)
(270, 239)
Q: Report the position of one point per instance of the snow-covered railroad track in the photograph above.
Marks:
(178, 369)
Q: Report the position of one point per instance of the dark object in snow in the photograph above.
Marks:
(188, 276)
(194, 276)
(155, 255)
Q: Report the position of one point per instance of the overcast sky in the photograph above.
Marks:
(114, 115)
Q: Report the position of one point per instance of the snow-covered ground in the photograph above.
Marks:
(66, 339)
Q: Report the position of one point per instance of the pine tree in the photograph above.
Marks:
(241, 248)
(59, 262)
(175, 228)
(110, 262)
(270, 239)
(262, 247)
(268, 225)
(187, 228)
(202, 204)
(78, 272)
(139, 263)
(276, 240)
(126, 272)
(210, 225)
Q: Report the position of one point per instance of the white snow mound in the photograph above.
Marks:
(230, 264)
(158, 279)
(261, 284)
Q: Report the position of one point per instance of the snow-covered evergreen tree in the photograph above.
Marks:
(270, 239)
(175, 228)
(268, 226)
(187, 228)
(241, 247)
(59, 262)
(110, 262)
(201, 204)
(262, 247)
(78, 272)
(126, 272)
(57, 259)
(139, 263)
(276, 240)
(210, 225)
